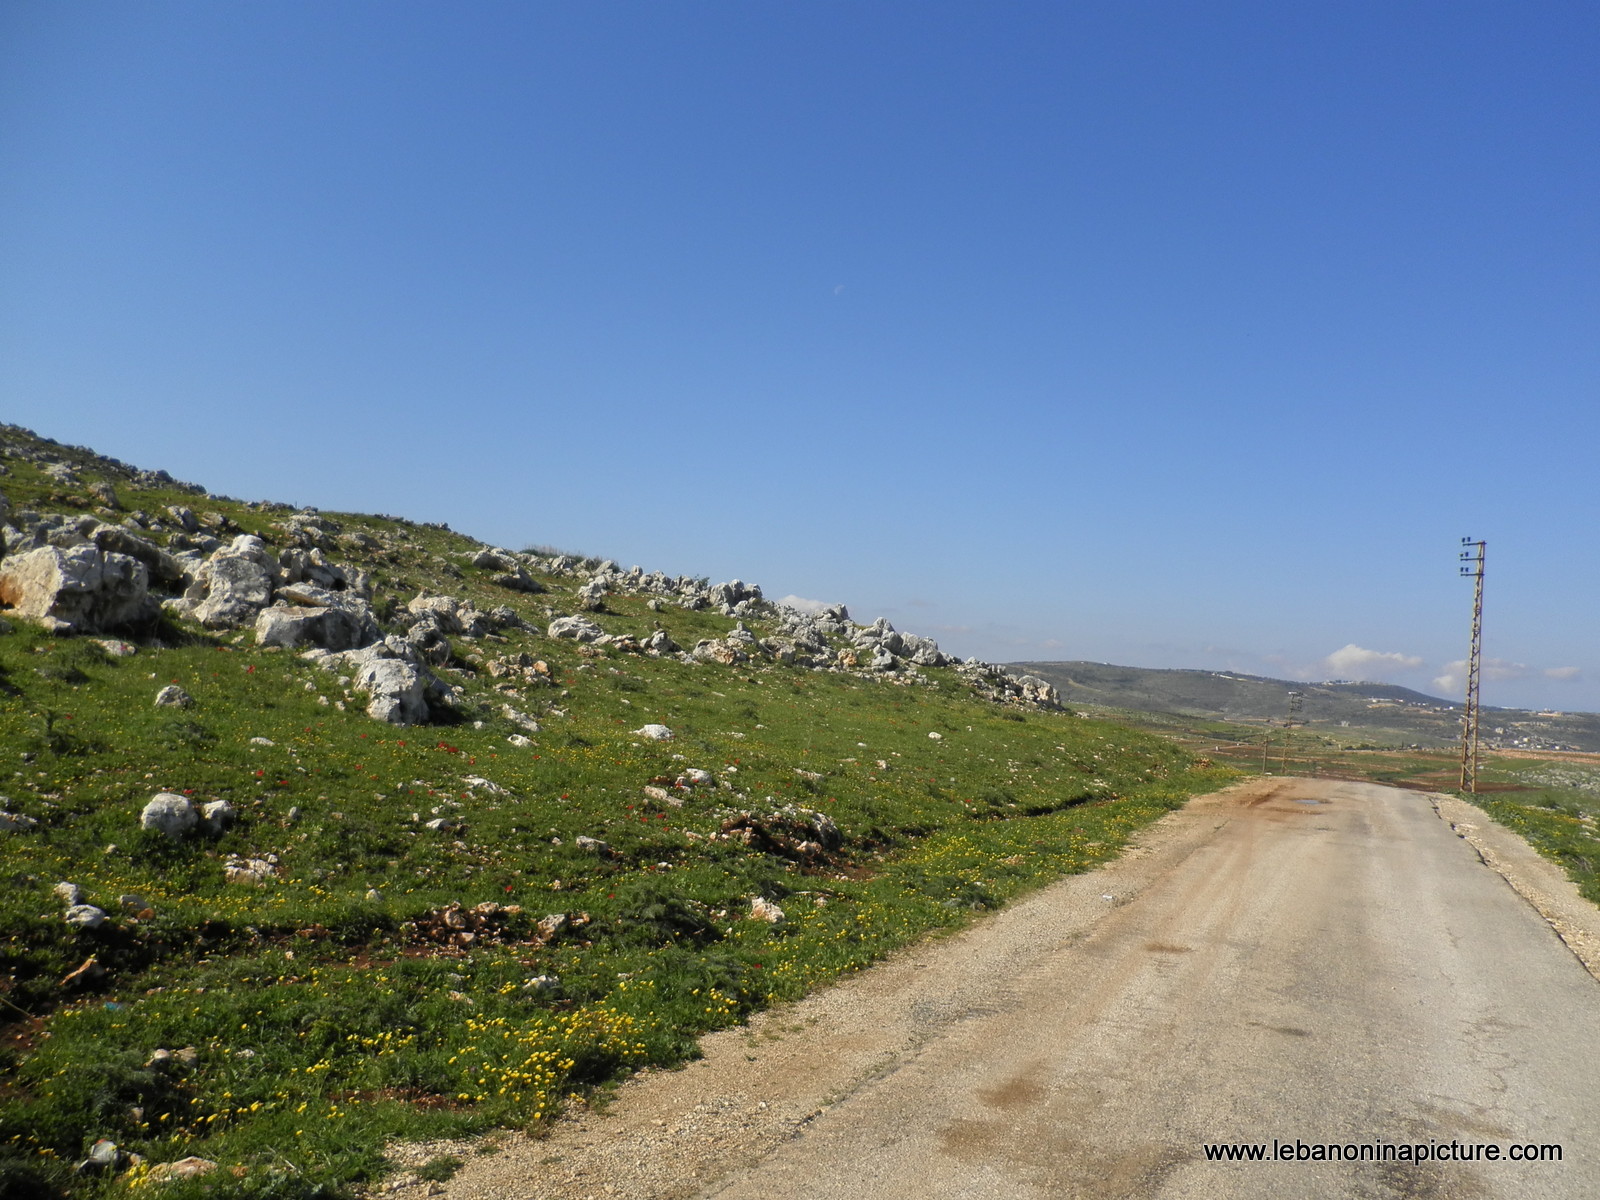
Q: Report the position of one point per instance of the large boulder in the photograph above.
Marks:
(233, 585)
(448, 614)
(398, 690)
(79, 589)
(162, 567)
(579, 629)
(299, 565)
(169, 813)
(317, 616)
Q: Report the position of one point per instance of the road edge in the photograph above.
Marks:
(1542, 883)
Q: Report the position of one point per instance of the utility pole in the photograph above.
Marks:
(1295, 699)
(1472, 560)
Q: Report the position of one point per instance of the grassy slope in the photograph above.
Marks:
(326, 1022)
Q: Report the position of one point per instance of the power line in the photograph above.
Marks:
(1472, 560)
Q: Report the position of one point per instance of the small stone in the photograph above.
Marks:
(84, 916)
(117, 648)
(184, 1168)
(656, 733)
(517, 740)
(217, 815)
(173, 696)
(374, 896)
(592, 845)
(68, 893)
(249, 870)
(762, 909)
(520, 719)
(15, 822)
(938, 737)
(102, 1157)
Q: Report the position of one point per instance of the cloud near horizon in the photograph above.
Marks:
(1351, 660)
(801, 604)
(1501, 670)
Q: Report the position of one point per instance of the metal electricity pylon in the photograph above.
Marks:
(1472, 559)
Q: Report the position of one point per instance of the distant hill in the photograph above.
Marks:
(1380, 712)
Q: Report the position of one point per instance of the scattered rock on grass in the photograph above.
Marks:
(765, 910)
(217, 815)
(579, 629)
(250, 870)
(169, 813)
(84, 916)
(656, 733)
(184, 1168)
(102, 1157)
(518, 718)
(173, 696)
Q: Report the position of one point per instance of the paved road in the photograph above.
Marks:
(1328, 963)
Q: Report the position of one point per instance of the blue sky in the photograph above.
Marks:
(1162, 333)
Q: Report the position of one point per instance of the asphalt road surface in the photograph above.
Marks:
(1312, 962)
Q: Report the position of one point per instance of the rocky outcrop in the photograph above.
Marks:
(508, 571)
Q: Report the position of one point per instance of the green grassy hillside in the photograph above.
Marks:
(405, 931)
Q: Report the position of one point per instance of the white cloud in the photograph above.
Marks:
(1356, 662)
(801, 604)
(1562, 673)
